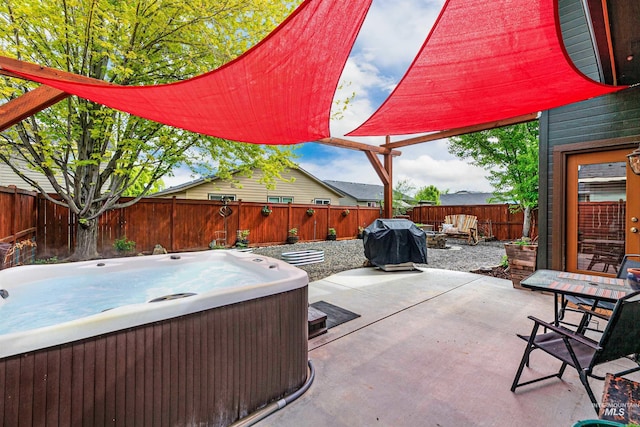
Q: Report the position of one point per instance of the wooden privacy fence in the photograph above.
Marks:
(602, 220)
(496, 221)
(18, 215)
(182, 224)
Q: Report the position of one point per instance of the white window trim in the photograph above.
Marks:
(221, 197)
(279, 199)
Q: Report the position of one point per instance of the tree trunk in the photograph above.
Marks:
(86, 241)
(526, 226)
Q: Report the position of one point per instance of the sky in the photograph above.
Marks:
(391, 36)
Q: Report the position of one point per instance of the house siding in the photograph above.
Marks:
(8, 177)
(576, 37)
(351, 201)
(303, 189)
(609, 117)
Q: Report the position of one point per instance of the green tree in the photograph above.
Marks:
(91, 154)
(429, 193)
(401, 199)
(510, 155)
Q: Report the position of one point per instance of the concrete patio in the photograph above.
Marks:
(432, 348)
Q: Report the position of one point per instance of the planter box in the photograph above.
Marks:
(437, 240)
(522, 261)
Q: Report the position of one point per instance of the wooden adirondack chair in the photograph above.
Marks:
(462, 225)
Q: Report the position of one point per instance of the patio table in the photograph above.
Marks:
(563, 283)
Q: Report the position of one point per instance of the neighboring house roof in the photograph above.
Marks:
(366, 192)
(598, 171)
(465, 198)
(188, 185)
(184, 186)
(360, 192)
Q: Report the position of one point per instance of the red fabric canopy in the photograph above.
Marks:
(278, 92)
(484, 60)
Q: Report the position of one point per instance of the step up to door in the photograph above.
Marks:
(317, 322)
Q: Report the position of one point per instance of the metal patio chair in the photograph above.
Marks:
(628, 261)
(620, 339)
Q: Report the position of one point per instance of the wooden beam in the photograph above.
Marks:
(378, 167)
(28, 104)
(353, 145)
(38, 99)
(8, 64)
(461, 131)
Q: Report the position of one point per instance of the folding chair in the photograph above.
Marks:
(620, 338)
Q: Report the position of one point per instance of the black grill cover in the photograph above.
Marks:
(394, 241)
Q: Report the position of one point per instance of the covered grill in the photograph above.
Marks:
(390, 242)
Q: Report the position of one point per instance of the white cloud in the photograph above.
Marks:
(452, 174)
(181, 175)
(394, 31)
(421, 165)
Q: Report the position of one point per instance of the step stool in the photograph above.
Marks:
(317, 322)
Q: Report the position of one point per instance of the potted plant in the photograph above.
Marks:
(124, 246)
(293, 236)
(266, 210)
(331, 235)
(242, 238)
(521, 255)
(310, 212)
(360, 232)
(345, 212)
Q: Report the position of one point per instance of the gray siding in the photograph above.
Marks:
(606, 117)
(577, 37)
(603, 118)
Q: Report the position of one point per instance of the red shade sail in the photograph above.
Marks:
(278, 92)
(484, 60)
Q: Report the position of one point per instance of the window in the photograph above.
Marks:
(372, 204)
(280, 199)
(322, 201)
(221, 197)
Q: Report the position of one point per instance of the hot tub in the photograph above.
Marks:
(182, 339)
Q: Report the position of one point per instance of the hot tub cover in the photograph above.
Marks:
(394, 241)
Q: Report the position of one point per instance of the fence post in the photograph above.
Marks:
(14, 215)
(172, 224)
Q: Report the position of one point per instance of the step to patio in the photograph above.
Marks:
(317, 322)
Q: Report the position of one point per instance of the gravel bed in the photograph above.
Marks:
(344, 255)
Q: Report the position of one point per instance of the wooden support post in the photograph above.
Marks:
(172, 224)
(384, 171)
(388, 186)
